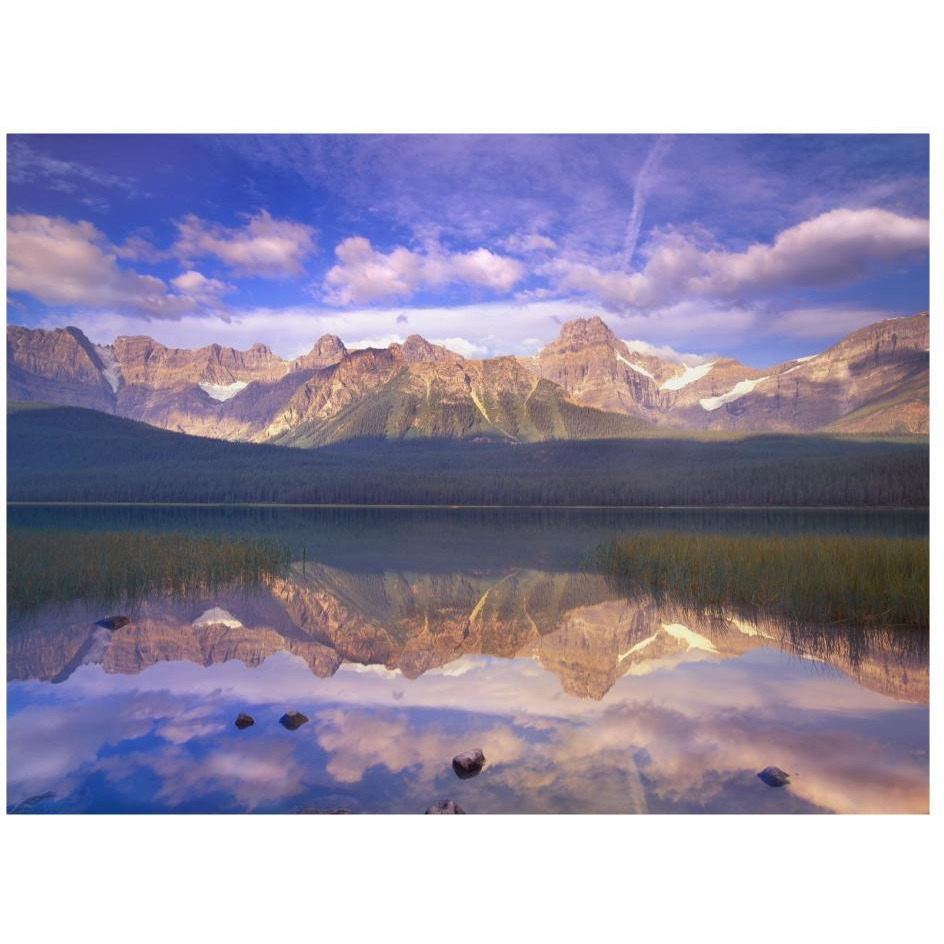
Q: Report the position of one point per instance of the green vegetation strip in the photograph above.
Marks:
(54, 567)
(68, 454)
(818, 579)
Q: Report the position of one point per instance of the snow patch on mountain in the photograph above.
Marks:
(740, 389)
(110, 369)
(689, 636)
(217, 616)
(223, 391)
(688, 376)
(636, 367)
(637, 648)
(800, 361)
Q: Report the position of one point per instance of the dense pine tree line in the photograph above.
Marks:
(66, 454)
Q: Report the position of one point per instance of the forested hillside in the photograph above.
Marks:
(71, 454)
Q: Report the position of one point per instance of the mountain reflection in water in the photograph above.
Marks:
(582, 701)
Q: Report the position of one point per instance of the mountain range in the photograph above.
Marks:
(574, 625)
(586, 384)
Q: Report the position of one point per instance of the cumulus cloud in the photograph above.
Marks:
(202, 289)
(265, 246)
(364, 274)
(73, 264)
(832, 249)
(139, 249)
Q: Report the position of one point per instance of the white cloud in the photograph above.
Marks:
(489, 328)
(666, 353)
(834, 248)
(200, 288)
(265, 246)
(138, 249)
(462, 346)
(364, 274)
(527, 242)
(384, 340)
(72, 264)
(493, 327)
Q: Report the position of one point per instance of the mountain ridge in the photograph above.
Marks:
(587, 383)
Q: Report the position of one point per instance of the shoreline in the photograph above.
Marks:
(461, 507)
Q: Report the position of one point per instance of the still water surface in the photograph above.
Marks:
(407, 636)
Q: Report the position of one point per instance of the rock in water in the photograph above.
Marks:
(774, 777)
(293, 720)
(244, 721)
(468, 763)
(114, 622)
(447, 806)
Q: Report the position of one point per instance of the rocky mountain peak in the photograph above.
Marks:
(587, 331)
(416, 349)
(329, 344)
(327, 351)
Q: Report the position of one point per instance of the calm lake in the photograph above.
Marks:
(409, 635)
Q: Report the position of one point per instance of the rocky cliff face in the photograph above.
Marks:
(585, 384)
(885, 362)
(882, 368)
(58, 366)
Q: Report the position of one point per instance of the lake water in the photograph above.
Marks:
(407, 636)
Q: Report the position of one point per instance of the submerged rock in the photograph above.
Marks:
(468, 763)
(114, 622)
(293, 720)
(244, 721)
(447, 806)
(774, 777)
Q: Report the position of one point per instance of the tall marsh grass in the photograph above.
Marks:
(123, 567)
(819, 579)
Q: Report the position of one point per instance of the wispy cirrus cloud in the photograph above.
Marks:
(26, 164)
(640, 197)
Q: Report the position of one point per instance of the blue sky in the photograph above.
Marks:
(763, 247)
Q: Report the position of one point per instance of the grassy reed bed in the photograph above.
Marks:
(821, 579)
(121, 567)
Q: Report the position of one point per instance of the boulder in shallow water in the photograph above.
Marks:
(446, 807)
(114, 622)
(244, 721)
(293, 720)
(468, 763)
(774, 777)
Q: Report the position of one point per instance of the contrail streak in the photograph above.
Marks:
(641, 195)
